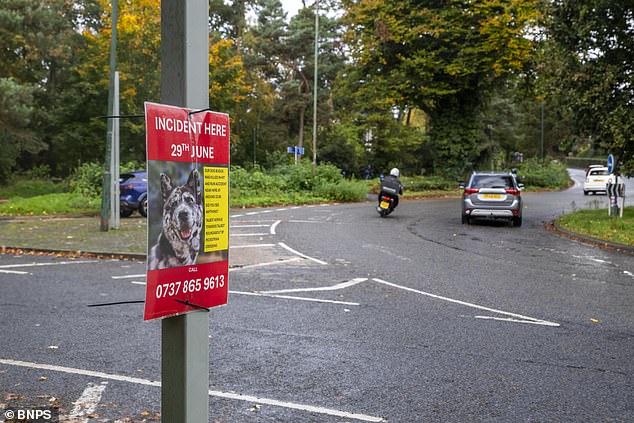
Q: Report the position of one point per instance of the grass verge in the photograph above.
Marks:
(597, 224)
(50, 204)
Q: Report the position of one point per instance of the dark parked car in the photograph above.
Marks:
(492, 195)
(133, 193)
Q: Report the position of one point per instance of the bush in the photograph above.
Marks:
(26, 188)
(550, 174)
(342, 191)
(428, 183)
(87, 180)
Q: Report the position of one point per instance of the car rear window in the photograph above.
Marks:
(492, 181)
(599, 172)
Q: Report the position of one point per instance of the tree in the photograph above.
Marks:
(443, 58)
(40, 41)
(593, 42)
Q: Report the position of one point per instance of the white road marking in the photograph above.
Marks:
(336, 287)
(286, 247)
(252, 246)
(249, 226)
(282, 209)
(236, 215)
(59, 263)
(508, 319)
(138, 283)
(243, 235)
(271, 263)
(464, 303)
(14, 272)
(628, 273)
(219, 394)
(274, 226)
(87, 402)
(142, 275)
(289, 297)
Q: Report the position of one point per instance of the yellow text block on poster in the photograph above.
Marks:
(216, 195)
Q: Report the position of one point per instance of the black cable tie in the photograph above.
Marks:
(198, 111)
(117, 303)
(187, 303)
(121, 116)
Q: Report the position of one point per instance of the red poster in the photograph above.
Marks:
(188, 210)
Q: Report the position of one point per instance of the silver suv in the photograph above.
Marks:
(492, 195)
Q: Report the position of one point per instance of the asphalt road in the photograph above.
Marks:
(337, 315)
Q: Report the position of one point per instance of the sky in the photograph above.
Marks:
(291, 6)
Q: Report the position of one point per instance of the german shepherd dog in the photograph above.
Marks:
(179, 241)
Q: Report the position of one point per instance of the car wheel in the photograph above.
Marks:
(143, 207)
(517, 221)
(585, 192)
(466, 219)
(125, 212)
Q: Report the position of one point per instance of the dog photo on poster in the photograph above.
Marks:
(179, 212)
(188, 210)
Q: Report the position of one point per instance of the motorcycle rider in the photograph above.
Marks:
(391, 186)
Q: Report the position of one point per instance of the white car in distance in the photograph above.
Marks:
(597, 179)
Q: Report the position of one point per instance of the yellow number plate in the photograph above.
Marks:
(385, 205)
(492, 196)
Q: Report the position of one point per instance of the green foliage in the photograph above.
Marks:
(344, 190)
(290, 184)
(49, 204)
(597, 224)
(428, 183)
(87, 180)
(550, 174)
(26, 188)
(591, 46)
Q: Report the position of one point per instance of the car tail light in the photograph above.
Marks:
(513, 191)
(131, 185)
(516, 212)
(471, 190)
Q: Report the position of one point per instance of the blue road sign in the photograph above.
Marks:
(610, 163)
(296, 150)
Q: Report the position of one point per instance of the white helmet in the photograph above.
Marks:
(395, 172)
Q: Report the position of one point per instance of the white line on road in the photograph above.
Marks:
(138, 283)
(59, 263)
(252, 246)
(336, 287)
(87, 402)
(271, 263)
(14, 272)
(274, 226)
(243, 235)
(508, 319)
(129, 276)
(451, 300)
(286, 247)
(289, 297)
(249, 226)
(219, 394)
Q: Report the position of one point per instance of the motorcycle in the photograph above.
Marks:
(386, 205)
